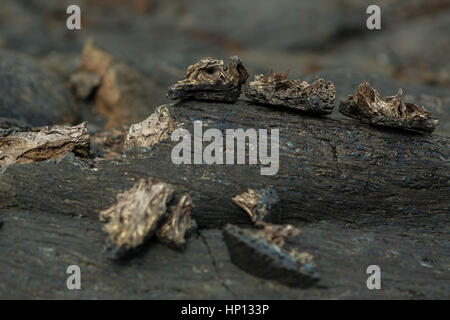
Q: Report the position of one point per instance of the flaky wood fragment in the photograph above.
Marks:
(121, 92)
(255, 252)
(152, 130)
(260, 205)
(179, 224)
(48, 143)
(367, 106)
(208, 79)
(276, 234)
(275, 89)
(136, 215)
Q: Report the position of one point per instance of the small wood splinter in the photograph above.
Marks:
(260, 205)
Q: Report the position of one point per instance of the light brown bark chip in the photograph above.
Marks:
(367, 106)
(179, 224)
(208, 79)
(152, 130)
(136, 215)
(275, 89)
(260, 205)
(48, 143)
(124, 93)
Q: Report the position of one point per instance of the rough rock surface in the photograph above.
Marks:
(251, 251)
(31, 93)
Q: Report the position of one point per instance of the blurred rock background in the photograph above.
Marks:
(325, 38)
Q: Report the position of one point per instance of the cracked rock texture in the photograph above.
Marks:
(361, 195)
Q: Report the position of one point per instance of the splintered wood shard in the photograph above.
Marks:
(48, 143)
(275, 89)
(260, 205)
(367, 106)
(152, 130)
(255, 253)
(208, 79)
(179, 224)
(136, 215)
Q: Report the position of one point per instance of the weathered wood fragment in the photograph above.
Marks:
(367, 106)
(276, 90)
(178, 225)
(261, 205)
(152, 130)
(136, 215)
(48, 143)
(208, 79)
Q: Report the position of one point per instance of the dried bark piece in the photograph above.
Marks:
(124, 91)
(276, 234)
(152, 130)
(251, 251)
(179, 224)
(84, 83)
(275, 89)
(48, 143)
(260, 205)
(208, 79)
(136, 215)
(367, 106)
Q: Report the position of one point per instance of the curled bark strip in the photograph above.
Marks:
(179, 224)
(260, 205)
(251, 251)
(152, 130)
(136, 215)
(208, 79)
(367, 106)
(275, 89)
(48, 143)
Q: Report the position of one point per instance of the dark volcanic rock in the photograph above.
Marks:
(30, 93)
(251, 251)
(405, 174)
